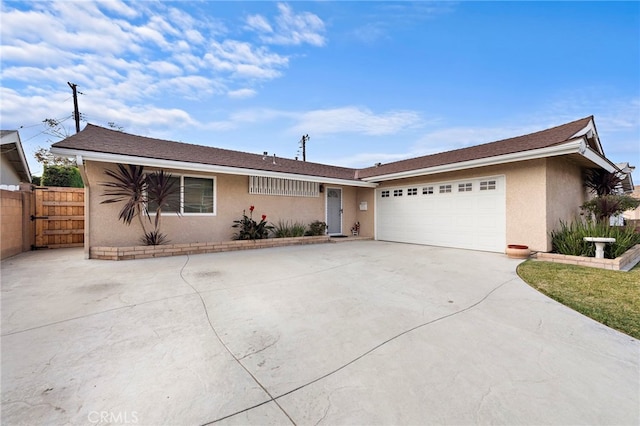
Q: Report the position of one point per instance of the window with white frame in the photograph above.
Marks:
(412, 191)
(397, 192)
(284, 187)
(427, 190)
(193, 195)
(384, 194)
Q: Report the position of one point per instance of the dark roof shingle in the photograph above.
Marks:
(98, 139)
(537, 140)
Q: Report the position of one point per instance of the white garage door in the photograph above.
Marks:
(469, 214)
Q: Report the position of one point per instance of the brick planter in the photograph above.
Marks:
(145, 252)
(623, 263)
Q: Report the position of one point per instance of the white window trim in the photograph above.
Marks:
(190, 214)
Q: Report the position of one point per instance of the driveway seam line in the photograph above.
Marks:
(468, 308)
(93, 314)
(215, 332)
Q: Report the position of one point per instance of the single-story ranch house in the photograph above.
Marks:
(513, 191)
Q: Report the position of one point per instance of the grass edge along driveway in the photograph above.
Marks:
(609, 297)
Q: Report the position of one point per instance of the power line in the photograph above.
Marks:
(60, 121)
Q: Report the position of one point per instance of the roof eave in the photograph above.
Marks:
(575, 146)
(590, 131)
(13, 138)
(198, 167)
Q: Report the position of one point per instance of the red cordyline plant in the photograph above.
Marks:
(137, 190)
(609, 200)
(249, 229)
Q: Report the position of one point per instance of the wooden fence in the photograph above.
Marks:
(59, 217)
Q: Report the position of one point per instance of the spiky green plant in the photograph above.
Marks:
(569, 238)
(286, 229)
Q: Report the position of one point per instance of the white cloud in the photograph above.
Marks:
(447, 139)
(120, 8)
(139, 64)
(356, 120)
(241, 59)
(290, 28)
(34, 54)
(370, 159)
(259, 23)
(258, 115)
(621, 115)
(241, 93)
(165, 68)
(134, 52)
(298, 28)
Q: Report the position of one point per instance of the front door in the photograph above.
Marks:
(334, 211)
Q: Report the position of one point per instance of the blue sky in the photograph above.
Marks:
(368, 81)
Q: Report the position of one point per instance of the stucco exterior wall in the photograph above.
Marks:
(11, 217)
(18, 230)
(539, 193)
(365, 217)
(633, 214)
(526, 204)
(232, 196)
(565, 193)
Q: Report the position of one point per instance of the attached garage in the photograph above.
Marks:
(468, 214)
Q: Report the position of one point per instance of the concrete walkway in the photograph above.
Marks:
(357, 333)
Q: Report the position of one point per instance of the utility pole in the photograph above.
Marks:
(76, 113)
(303, 145)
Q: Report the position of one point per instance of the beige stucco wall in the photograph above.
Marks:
(633, 214)
(538, 194)
(11, 218)
(231, 198)
(365, 217)
(565, 193)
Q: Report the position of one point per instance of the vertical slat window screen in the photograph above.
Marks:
(283, 187)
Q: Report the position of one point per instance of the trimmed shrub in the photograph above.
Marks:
(317, 228)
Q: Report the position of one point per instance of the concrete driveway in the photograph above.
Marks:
(360, 332)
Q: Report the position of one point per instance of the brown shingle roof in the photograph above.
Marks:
(537, 140)
(98, 139)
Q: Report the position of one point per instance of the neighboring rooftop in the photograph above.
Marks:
(11, 148)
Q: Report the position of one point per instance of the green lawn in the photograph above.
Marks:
(609, 297)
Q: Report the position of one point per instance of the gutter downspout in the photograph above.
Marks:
(87, 194)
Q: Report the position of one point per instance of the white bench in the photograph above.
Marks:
(600, 243)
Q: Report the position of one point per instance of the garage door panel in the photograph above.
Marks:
(473, 219)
